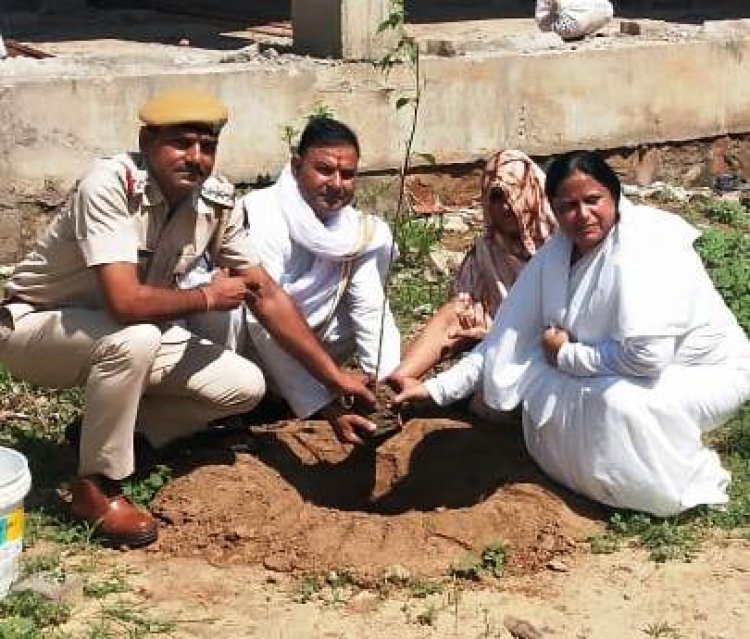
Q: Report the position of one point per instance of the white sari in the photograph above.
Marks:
(630, 442)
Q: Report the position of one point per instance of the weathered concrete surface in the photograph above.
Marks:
(346, 29)
(51, 124)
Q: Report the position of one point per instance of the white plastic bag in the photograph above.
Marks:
(571, 19)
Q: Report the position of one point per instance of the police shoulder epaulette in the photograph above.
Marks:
(219, 191)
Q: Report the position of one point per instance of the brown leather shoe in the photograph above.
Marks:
(99, 502)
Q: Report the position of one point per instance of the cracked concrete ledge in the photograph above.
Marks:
(671, 83)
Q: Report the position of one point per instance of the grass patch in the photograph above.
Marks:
(124, 619)
(472, 568)
(417, 289)
(661, 629)
(27, 614)
(422, 588)
(143, 490)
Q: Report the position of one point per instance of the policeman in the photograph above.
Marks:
(96, 304)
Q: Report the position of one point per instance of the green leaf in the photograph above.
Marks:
(402, 102)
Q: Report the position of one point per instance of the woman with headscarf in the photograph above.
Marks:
(517, 220)
(617, 348)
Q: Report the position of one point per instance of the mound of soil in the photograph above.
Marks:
(424, 500)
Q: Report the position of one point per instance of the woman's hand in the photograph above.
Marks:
(474, 323)
(552, 341)
(410, 390)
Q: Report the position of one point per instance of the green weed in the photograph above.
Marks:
(41, 525)
(604, 544)
(662, 630)
(50, 563)
(726, 254)
(665, 539)
(421, 589)
(308, 588)
(414, 298)
(124, 619)
(469, 568)
(725, 212)
(493, 559)
(110, 584)
(415, 238)
(472, 568)
(143, 490)
(340, 578)
(29, 613)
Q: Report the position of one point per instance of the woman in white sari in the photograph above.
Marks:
(618, 349)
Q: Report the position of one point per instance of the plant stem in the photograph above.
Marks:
(405, 165)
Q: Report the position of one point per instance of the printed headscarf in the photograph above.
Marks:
(495, 261)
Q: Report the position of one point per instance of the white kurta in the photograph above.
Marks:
(658, 360)
(312, 282)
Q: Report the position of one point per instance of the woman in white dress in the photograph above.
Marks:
(618, 349)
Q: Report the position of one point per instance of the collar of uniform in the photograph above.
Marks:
(145, 185)
(218, 191)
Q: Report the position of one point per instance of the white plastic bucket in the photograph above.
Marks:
(15, 482)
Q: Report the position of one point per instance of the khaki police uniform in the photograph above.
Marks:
(159, 378)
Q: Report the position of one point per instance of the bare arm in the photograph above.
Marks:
(276, 311)
(131, 302)
(458, 325)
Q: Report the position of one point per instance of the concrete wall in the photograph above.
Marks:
(542, 103)
(345, 29)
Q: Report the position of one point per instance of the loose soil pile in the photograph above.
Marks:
(424, 500)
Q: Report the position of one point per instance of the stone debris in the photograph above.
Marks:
(643, 27)
(51, 585)
(397, 574)
(455, 223)
(363, 602)
(663, 192)
(557, 565)
(525, 42)
(520, 629)
(446, 261)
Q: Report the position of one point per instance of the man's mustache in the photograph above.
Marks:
(195, 171)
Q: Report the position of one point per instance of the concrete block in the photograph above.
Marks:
(341, 28)
(721, 28)
(445, 48)
(643, 27)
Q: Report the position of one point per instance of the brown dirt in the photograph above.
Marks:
(423, 500)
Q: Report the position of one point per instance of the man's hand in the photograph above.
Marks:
(353, 385)
(553, 339)
(224, 292)
(347, 426)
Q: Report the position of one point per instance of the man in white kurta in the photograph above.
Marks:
(332, 260)
(658, 360)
